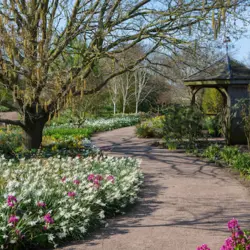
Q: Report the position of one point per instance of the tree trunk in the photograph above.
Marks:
(33, 133)
(136, 107)
(123, 108)
(114, 104)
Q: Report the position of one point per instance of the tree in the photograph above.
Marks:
(49, 48)
(142, 89)
(212, 101)
(113, 88)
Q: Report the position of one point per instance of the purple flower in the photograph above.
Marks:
(96, 183)
(99, 177)
(64, 179)
(71, 194)
(239, 233)
(91, 177)
(77, 182)
(111, 178)
(203, 247)
(233, 224)
(248, 247)
(41, 204)
(13, 220)
(228, 245)
(11, 200)
(48, 219)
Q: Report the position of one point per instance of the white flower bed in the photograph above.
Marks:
(49, 200)
(104, 124)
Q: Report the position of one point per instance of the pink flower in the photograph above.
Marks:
(41, 204)
(233, 224)
(11, 200)
(64, 179)
(203, 247)
(228, 245)
(91, 177)
(99, 177)
(48, 219)
(13, 220)
(96, 183)
(71, 194)
(77, 182)
(111, 178)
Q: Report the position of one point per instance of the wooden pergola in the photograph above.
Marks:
(231, 78)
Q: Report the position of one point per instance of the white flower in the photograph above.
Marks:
(82, 229)
(61, 235)
(51, 237)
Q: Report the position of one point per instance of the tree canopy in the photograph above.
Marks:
(49, 49)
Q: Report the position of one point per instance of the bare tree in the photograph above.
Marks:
(126, 82)
(50, 47)
(142, 89)
(113, 88)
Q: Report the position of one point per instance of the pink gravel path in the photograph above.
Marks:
(185, 201)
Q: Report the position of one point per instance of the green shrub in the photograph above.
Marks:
(212, 125)
(151, 128)
(242, 163)
(183, 125)
(212, 152)
(62, 132)
(229, 154)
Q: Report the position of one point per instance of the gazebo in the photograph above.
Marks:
(231, 78)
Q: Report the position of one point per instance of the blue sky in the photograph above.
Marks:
(241, 50)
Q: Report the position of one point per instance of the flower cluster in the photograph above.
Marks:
(103, 124)
(11, 201)
(238, 240)
(203, 247)
(44, 201)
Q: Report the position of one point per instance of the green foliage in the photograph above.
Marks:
(64, 139)
(212, 101)
(10, 141)
(242, 163)
(212, 152)
(183, 125)
(151, 128)
(212, 125)
(4, 109)
(229, 154)
(59, 133)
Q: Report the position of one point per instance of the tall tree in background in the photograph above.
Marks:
(49, 48)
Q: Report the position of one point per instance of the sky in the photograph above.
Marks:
(241, 50)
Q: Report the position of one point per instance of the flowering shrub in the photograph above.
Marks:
(46, 201)
(238, 240)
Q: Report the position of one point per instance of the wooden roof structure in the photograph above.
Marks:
(223, 72)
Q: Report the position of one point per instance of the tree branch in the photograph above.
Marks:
(12, 122)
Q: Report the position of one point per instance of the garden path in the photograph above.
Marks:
(185, 201)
